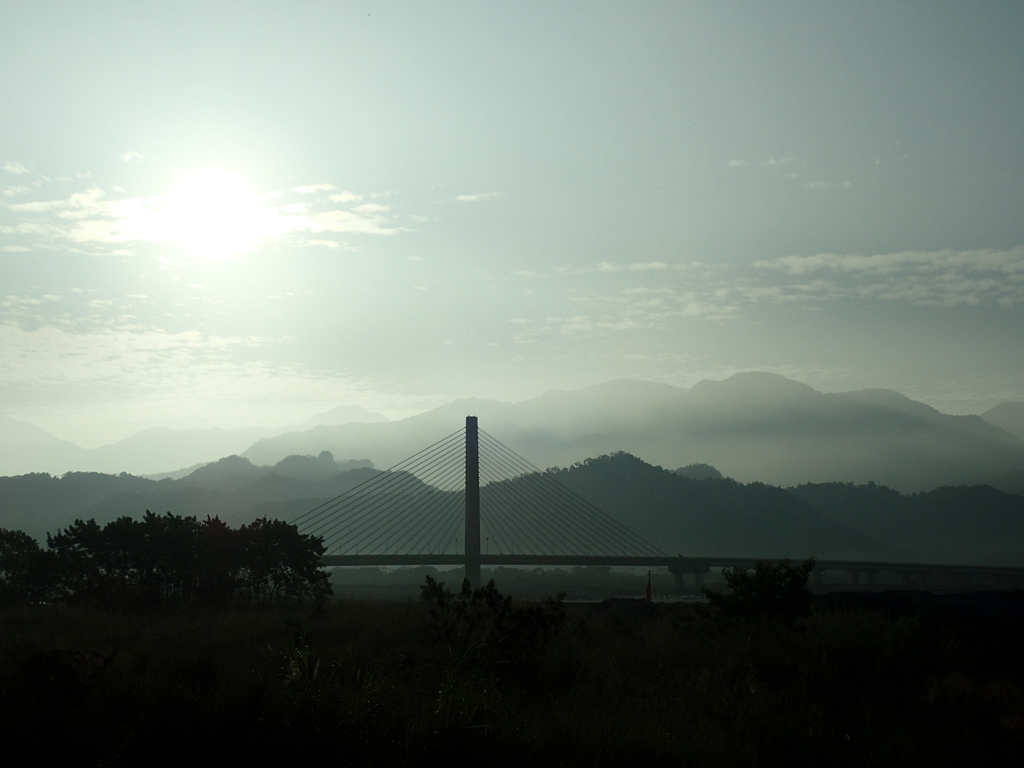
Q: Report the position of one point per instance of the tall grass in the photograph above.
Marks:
(620, 683)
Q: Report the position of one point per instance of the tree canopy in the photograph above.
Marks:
(164, 560)
(771, 592)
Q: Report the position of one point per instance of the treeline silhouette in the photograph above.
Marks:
(161, 561)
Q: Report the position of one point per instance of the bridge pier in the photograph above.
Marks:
(687, 565)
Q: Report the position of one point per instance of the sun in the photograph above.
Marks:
(211, 213)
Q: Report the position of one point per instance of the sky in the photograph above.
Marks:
(218, 214)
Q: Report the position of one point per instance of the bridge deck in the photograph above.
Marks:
(682, 564)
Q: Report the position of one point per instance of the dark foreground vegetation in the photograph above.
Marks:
(472, 676)
(163, 561)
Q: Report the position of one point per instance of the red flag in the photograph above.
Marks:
(648, 597)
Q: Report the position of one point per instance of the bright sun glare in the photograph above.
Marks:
(211, 213)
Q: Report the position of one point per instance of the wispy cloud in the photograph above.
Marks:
(776, 161)
(845, 184)
(345, 197)
(15, 168)
(943, 278)
(737, 163)
(666, 297)
(372, 208)
(649, 266)
(123, 375)
(95, 219)
(1007, 261)
(479, 197)
(130, 156)
(314, 188)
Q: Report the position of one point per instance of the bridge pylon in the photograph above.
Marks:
(472, 533)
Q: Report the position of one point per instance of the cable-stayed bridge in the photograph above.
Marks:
(470, 500)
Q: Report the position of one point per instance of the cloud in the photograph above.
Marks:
(344, 222)
(107, 379)
(129, 156)
(314, 188)
(941, 278)
(737, 163)
(772, 162)
(38, 206)
(1007, 261)
(845, 184)
(14, 190)
(332, 244)
(345, 197)
(15, 168)
(649, 266)
(665, 298)
(369, 208)
(97, 220)
(479, 197)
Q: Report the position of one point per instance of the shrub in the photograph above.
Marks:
(482, 625)
(771, 592)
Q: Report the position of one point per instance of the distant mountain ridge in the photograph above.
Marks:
(680, 514)
(752, 426)
(26, 448)
(1008, 417)
(233, 489)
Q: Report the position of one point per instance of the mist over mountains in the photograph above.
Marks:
(804, 472)
(752, 427)
(26, 448)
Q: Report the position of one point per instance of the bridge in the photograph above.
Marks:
(427, 509)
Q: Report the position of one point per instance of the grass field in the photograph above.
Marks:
(615, 683)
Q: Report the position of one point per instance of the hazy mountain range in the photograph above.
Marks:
(752, 426)
(762, 431)
(679, 514)
(27, 448)
(233, 489)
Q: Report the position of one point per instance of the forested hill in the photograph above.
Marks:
(680, 514)
(965, 524)
(233, 489)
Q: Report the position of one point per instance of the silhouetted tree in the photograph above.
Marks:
(772, 591)
(221, 557)
(280, 564)
(81, 574)
(168, 560)
(25, 575)
(481, 626)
